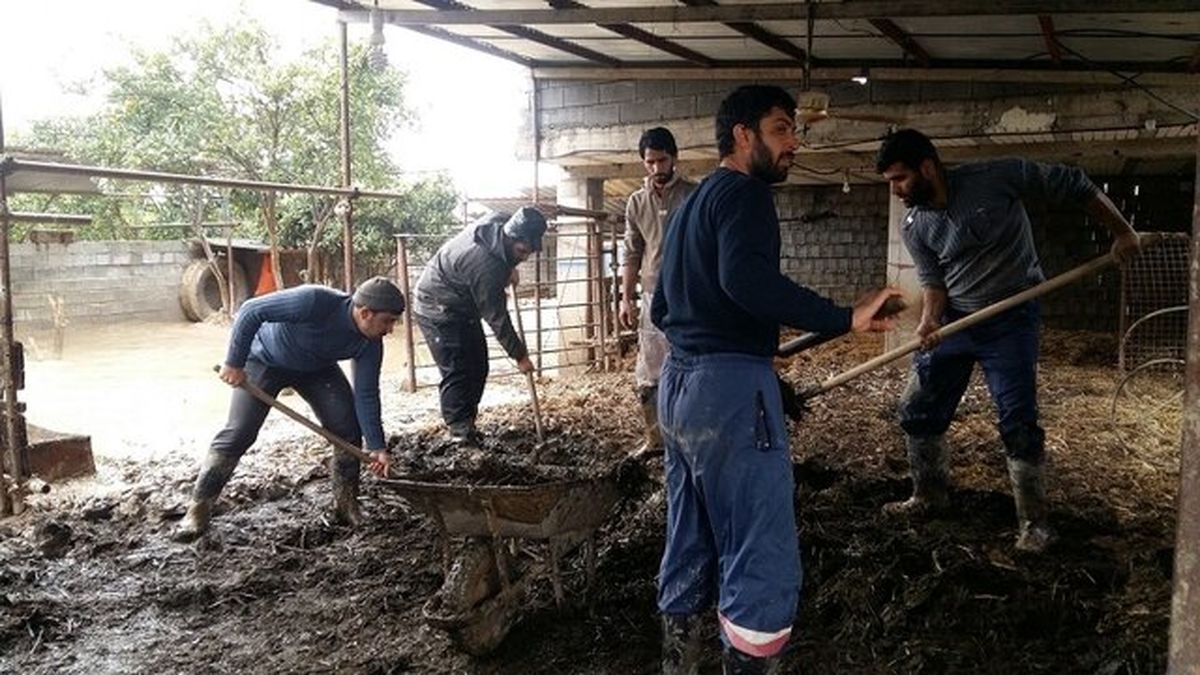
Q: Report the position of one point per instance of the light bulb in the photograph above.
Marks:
(846, 183)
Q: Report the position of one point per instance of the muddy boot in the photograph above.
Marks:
(1029, 492)
(195, 523)
(345, 502)
(464, 434)
(214, 474)
(682, 644)
(652, 437)
(740, 663)
(930, 477)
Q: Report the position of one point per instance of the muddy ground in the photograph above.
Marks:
(90, 583)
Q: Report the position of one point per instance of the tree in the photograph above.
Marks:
(224, 102)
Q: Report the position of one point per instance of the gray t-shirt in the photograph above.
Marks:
(980, 247)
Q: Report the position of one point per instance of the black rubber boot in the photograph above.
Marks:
(682, 644)
(930, 477)
(1029, 492)
(215, 472)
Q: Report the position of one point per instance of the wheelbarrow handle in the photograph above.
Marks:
(338, 442)
(975, 318)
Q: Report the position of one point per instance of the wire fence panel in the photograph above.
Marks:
(1154, 296)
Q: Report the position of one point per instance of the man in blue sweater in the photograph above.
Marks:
(970, 239)
(720, 300)
(464, 282)
(295, 338)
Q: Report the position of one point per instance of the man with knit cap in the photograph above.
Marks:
(295, 338)
(464, 283)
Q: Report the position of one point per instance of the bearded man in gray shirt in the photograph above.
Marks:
(970, 239)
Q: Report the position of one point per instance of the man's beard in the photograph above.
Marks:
(921, 193)
(661, 179)
(764, 167)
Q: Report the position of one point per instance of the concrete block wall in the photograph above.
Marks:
(99, 281)
(833, 242)
(567, 104)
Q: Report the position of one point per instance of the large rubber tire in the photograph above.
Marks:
(199, 293)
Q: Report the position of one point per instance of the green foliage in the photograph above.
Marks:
(222, 102)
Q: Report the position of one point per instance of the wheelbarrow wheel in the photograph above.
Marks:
(473, 577)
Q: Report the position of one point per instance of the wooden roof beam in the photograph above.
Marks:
(453, 6)
(1051, 40)
(647, 38)
(899, 36)
(755, 32)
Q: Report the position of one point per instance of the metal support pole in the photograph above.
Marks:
(615, 308)
(1185, 604)
(589, 316)
(348, 218)
(537, 309)
(10, 503)
(601, 305)
(410, 352)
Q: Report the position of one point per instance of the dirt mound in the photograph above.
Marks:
(93, 585)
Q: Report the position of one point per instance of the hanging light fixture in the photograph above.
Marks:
(377, 58)
(846, 182)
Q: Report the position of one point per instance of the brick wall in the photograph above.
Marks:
(100, 281)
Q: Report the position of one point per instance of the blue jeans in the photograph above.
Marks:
(1006, 347)
(731, 526)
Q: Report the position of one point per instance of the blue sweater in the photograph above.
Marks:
(306, 329)
(979, 249)
(720, 288)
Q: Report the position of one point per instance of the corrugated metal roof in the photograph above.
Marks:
(1162, 35)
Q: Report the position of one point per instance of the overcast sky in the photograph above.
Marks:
(470, 105)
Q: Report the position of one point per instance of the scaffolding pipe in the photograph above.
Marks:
(348, 215)
(10, 164)
(410, 354)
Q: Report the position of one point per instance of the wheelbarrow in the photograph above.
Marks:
(486, 584)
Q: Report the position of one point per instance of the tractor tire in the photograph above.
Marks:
(200, 295)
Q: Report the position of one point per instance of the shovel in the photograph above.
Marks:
(338, 442)
(533, 395)
(975, 318)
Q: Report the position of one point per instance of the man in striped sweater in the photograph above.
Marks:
(295, 338)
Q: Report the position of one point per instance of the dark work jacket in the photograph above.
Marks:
(465, 281)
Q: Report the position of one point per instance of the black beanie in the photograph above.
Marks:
(379, 294)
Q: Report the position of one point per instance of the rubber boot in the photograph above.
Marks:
(1029, 492)
(652, 437)
(740, 663)
(930, 477)
(464, 434)
(346, 510)
(195, 523)
(215, 472)
(682, 644)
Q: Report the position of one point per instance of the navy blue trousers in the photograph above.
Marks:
(731, 526)
(1006, 347)
(326, 391)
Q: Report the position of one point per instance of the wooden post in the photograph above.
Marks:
(10, 503)
(348, 216)
(1185, 603)
(406, 323)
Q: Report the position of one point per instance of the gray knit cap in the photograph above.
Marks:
(527, 225)
(379, 294)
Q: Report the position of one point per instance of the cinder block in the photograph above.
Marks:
(618, 92)
(605, 115)
(581, 93)
(549, 98)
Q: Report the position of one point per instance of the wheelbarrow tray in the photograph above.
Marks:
(540, 511)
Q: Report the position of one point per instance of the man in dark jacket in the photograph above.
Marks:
(464, 282)
(295, 338)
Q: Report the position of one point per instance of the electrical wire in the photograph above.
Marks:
(1193, 115)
